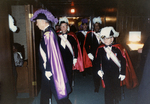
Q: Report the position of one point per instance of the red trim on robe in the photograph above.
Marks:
(79, 64)
(86, 60)
(131, 80)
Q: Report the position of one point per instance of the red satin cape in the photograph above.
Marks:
(131, 80)
(86, 60)
(79, 64)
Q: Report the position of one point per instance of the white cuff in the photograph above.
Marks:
(48, 74)
(121, 77)
(100, 73)
(74, 61)
(91, 56)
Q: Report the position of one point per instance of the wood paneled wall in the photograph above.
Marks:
(132, 15)
(6, 66)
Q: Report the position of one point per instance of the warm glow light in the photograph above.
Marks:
(112, 19)
(135, 36)
(71, 22)
(30, 15)
(73, 17)
(135, 46)
(72, 10)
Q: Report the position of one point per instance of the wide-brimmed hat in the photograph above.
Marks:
(108, 32)
(44, 14)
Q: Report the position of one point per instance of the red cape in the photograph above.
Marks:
(86, 60)
(131, 80)
(79, 64)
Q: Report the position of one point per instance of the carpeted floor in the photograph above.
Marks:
(83, 93)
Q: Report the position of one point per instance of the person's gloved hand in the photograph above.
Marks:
(91, 56)
(48, 74)
(100, 73)
(74, 61)
(121, 77)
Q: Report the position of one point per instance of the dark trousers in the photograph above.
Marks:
(69, 73)
(47, 89)
(112, 90)
(96, 79)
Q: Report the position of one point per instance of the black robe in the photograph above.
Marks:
(111, 73)
(67, 56)
(91, 45)
(81, 38)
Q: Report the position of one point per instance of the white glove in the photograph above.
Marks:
(48, 74)
(74, 61)
(121, 77)
(100, 73)
(91, 56)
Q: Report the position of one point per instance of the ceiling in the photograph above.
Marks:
(84, 8)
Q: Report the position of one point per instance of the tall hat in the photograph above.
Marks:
(44, 14)
(108, 32)
(84, 21)
(12, 27)
(63, 20)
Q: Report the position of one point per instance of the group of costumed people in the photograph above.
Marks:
(63, 51)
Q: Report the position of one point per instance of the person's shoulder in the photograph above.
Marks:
(101, 47)
(90, 32)
(72, 34)
(15, 54)
(119, 46)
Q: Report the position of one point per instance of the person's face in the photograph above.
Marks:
(84, 27)
(57, 27)
(64, 27)
(96, 27)
(14, 49)
(108, 41)
(40, 24)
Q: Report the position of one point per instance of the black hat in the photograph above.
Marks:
(41, 16)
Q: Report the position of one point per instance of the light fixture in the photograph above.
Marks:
(134, 36)
(134, 40)
(72, 10)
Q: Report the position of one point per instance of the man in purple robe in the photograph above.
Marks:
(54, 80)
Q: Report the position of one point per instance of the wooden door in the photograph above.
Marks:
(31, 51)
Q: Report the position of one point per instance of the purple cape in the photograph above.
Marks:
(56, 63)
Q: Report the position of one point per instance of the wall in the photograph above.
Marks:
(133, 15)
(8, 95)
(18, 12)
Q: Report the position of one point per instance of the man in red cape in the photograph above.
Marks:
(91, 43)
(70, 49)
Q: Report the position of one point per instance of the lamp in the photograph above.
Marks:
(72, 10)
(134, 40)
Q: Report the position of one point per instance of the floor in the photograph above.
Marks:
(83, 93)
